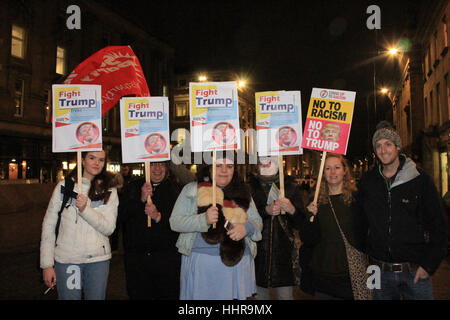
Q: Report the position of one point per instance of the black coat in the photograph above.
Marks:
(404, 222)
(273, 263)
(137, 236)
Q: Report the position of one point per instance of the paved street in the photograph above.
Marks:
(20, 280)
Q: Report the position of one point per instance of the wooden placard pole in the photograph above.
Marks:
(214, 182)
(319, 177)
(79, 172)
(149, 199)
(281, 175)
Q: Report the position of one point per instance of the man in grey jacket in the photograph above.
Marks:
(401, 221)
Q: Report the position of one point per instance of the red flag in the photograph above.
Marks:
(117, 70)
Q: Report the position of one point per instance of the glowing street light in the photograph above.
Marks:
(393, 51)
(384, 90)
(241, 83)
(202, 78)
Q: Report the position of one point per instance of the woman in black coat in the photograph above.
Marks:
(277, 264)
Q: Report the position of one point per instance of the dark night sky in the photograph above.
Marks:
(285, 45)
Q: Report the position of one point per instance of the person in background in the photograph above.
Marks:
(82, 251)
(217, 263)
(277, 264)
(152, 262)
(401, 221)
(124, 177)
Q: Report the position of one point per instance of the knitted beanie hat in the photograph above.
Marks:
(386, 131)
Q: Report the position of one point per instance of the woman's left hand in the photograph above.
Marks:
(238, 232)
(81, 202)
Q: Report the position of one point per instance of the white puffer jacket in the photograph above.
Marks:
(83, 236)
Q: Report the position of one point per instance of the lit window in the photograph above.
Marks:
(18, 97)
(181, 110)
(60, 60)
(444, 32)
(18, 42)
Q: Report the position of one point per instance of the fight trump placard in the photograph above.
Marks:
(214, 116)
(278, 123)
(145, 129)
(76, 122)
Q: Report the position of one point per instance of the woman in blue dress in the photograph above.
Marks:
(217, 263)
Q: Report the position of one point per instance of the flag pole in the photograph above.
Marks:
(281, 174)
(79, 173)
(214, 182)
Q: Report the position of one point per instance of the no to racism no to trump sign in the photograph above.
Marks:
(329, 119)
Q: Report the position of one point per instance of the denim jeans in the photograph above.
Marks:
(280, 293)
(395, 285)
(92, 278)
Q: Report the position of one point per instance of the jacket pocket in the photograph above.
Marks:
(409, 205)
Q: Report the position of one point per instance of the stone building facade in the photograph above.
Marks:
(37, 49)
(421, 100)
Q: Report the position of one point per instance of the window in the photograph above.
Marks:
(444, 32)
(60, 60)
(431, 109)
(447, 95)
(436, 49)
(181, 110)
(18, 97)
(438, 104)
(18, 42)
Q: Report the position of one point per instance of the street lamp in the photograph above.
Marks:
(384, 90)
(393, 51)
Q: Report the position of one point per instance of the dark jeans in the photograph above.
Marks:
(396, 285)
(153, 276)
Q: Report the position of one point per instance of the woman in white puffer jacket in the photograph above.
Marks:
(80, 258)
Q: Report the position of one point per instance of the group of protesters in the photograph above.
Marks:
(218, 237)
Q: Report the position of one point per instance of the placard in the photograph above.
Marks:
(76, 120)
(278, 123)
(145, 129)
(214, 115)
(329, 120)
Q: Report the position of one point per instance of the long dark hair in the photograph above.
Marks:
(101, 183)
(236, 190)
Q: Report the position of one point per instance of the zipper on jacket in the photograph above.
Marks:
(388, 187)
(389, 220)
(269, 276)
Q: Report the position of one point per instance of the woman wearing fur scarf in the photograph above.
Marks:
(217, 263)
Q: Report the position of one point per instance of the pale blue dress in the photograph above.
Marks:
(205, 277)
